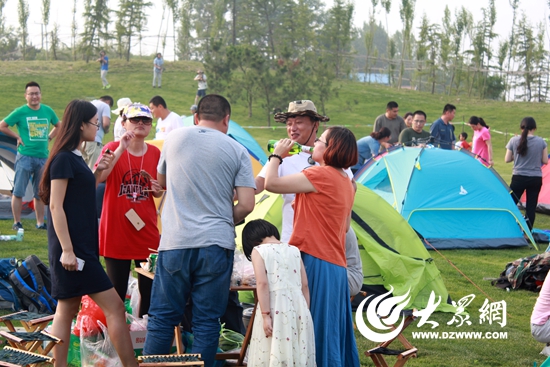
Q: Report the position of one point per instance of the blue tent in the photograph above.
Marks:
(242, 136)
(447, 196)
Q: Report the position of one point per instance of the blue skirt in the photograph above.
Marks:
(331, 312)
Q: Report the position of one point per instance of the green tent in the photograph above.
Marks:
(392, 253)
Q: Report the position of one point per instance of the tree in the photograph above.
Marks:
(130, 23)
(525, 55)
(512, 44)
(74, 31)
(337, 35)
(54, 37)
(249, 62)
(184, 38)
(23, 12)
(386, 4)
(176, 13)
(406, 12)
(461, 26)
(96, 20)
(46, 20)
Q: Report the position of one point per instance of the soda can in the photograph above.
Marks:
(152, 262)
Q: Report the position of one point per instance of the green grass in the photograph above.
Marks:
(356, 106)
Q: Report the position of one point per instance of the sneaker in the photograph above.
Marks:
(108, 86)
(42, 226)
(17, 226)
(103, 87)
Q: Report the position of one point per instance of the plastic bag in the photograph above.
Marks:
(243, 271)
(135, 297)
(137, 324)
(98, 351)
(229, 339)
(89, 315)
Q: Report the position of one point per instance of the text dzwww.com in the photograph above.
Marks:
(460, 335)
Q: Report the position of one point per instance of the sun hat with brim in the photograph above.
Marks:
(121, 103)
(300, 108)
(137, 110)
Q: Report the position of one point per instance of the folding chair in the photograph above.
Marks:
(170, 360)
(31, 321)
(11, 357)
(36, 341)
(377, 354)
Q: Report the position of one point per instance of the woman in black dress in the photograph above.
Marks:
(68, 187)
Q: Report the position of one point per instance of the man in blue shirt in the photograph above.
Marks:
(441, 131)
(104, 68)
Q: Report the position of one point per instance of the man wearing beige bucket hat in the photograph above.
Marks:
(302, 123)
(119, 130)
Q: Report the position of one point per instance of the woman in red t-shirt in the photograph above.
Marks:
(322, 210)
(128, 227)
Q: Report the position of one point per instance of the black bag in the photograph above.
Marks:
(32, 283)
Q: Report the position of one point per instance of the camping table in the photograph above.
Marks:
(220, 356)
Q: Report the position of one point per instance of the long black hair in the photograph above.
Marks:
(68, 138)
(474, 120)
(527, 124)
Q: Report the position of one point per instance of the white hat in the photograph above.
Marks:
(121, 103)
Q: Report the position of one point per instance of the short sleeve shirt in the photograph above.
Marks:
(103, 110)
(33, 127)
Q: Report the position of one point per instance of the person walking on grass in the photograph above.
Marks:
(68, 186)
(528, 152)
(32, 121)
(158, 67)
(103, 69)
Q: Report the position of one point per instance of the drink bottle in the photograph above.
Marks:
(296, 148)
(10, 237)
(20, 234)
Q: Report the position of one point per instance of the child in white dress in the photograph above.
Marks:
(283, 327)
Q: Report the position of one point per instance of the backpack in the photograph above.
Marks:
(32, 283)
(525, 273)
(8, 297)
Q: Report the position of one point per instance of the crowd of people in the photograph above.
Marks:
(305, 276)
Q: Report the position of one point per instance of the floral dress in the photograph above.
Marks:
(293, 339)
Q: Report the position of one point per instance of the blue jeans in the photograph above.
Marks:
(26, 168)
(202, 273)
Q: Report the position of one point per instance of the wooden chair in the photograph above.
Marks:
(11, 357)
(36, 341)
(377, 354)
(170, 360)
(31, 321)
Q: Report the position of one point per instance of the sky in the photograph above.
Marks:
(537, 11)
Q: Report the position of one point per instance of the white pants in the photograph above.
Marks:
(104, 77)
(157, 77)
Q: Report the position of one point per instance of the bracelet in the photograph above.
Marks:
(276, 156)
(266, 313)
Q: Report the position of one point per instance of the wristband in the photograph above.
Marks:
(276, 156)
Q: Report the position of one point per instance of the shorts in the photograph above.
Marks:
(27, 168)
(201, 92)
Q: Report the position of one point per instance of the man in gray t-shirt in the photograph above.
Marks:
(392, 121)
(92, 150)
(201, 168)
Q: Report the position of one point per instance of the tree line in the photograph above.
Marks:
(267, 52)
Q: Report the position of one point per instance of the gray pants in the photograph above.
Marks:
(541, 333)
(157, 78)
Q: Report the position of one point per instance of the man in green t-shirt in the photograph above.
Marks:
(415, 136)
(33, 122)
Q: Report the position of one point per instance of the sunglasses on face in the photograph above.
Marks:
(144, 120)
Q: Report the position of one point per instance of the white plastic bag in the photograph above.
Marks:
(135, 297)
(98, 350)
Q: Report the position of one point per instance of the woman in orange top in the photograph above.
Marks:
(322, 210)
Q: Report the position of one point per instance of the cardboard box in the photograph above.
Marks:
(138, 340)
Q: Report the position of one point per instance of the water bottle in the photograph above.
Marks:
(296, 148)
(20, 233)
(8, 237)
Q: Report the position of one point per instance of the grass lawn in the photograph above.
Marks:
(356, 106)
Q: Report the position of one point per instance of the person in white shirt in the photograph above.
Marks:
(119, 130)
(92, 149)
(166, 120)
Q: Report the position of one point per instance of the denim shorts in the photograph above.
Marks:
(201, 92)
(27, 168)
